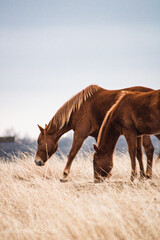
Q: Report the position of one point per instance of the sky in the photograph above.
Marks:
(50, 50)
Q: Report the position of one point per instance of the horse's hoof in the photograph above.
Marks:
(63, 180)
(98, 180)
(132, 179)
(142, 176)
(148, 177)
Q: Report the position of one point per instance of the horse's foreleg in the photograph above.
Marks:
(149, 149)
(131, 139)
(77, 143)
(139, 157)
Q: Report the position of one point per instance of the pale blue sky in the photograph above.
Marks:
(50, 50)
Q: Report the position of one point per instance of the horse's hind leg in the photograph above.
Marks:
(158, 158)
(139, 157)
(149, 149)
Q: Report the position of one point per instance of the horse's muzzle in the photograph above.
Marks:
(39, 163)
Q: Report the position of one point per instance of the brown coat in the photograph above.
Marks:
(84, 114)
(133, 115)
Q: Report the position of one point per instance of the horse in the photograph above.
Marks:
(134, 115)
(84, 114)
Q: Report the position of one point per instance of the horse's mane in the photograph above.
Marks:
(63, 115)
(108, 114)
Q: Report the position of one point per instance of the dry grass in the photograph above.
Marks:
(34, 204)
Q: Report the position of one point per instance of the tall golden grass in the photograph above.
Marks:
(34, 204)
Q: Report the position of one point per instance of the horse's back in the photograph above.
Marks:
(141, 110)
(138, 89)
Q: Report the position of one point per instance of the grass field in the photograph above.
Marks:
(34, 204)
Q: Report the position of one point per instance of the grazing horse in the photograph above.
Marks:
(84, 114)
(133, 115)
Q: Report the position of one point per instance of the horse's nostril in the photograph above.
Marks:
(39, 163)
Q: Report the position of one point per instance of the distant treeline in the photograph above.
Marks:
(28, 146)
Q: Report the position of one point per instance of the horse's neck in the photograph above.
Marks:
(109, 140)
(61, 131)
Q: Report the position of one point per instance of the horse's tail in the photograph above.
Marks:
(108, 114)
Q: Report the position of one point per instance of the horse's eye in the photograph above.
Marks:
(38, 142)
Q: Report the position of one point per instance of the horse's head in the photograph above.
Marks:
(47, 145)
(102, 164)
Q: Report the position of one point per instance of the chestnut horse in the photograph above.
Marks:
(133, 115)
(84, 114)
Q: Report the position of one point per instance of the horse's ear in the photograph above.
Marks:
(95, 148)
(46, 126)
(41, 129)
